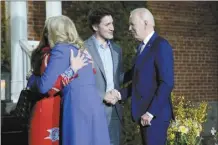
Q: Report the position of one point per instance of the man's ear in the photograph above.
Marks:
(95, 27)
(145, 22)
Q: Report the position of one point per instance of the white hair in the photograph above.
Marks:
(145, 14)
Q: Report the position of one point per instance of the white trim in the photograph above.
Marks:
(46, 60)
(18, 29)
(57, 90)
(53, 8)
(33, 43)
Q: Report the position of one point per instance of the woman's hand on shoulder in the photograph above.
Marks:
(79, 61)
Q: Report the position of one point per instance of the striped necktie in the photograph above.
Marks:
(141, 47)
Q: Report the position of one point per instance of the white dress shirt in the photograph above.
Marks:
(106, 58)
(145, 41)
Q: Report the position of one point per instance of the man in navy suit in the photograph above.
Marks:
(152, 78)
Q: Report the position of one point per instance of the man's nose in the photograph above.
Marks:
(130, 28)
(112, 28)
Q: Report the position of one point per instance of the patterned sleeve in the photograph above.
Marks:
(68, 76)
(64, 79)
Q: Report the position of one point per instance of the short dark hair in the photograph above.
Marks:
(95, 16)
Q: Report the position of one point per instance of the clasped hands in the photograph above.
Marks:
(112, 97)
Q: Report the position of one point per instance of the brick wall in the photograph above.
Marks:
(35, 18)
(190, 27)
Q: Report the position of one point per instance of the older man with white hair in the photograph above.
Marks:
(152, 79)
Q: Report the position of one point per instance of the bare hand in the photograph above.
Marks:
(78, 61)
(87, 54)
(112, 96)
(145, 120)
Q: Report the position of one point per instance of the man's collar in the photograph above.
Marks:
(99, 44)
(148, 38)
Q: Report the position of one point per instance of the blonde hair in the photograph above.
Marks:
(61, 29)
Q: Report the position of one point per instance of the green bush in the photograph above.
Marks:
(5, 51)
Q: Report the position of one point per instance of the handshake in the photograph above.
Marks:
(112, 97)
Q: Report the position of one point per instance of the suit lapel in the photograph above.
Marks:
(95, 55)
(114, 56)
(146, 52)
(137, 54)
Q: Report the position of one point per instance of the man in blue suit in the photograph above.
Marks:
(152, 78)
